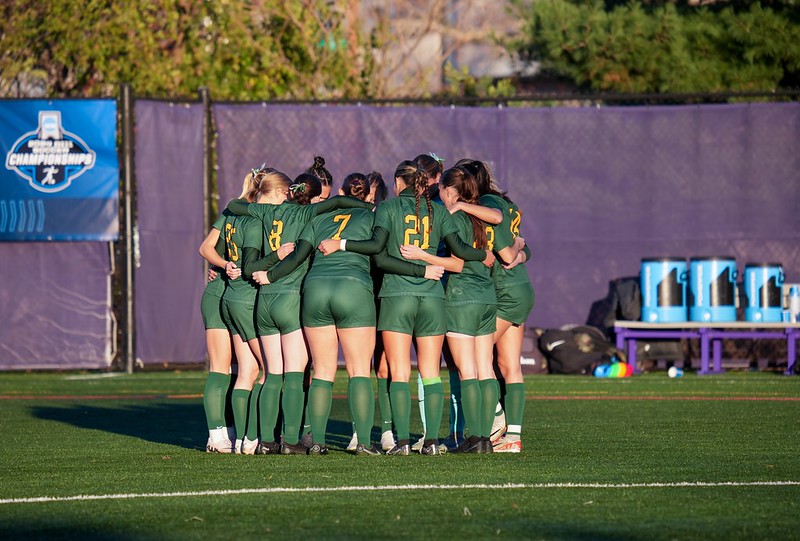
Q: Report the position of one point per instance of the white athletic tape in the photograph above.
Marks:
(278, 490)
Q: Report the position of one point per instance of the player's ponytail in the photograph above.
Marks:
(356, 185)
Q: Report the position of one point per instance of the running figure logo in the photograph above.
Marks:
(50, 157)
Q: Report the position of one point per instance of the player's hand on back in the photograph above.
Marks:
(328, 246)
(489, 261)
(410, 251)
(285, 250)
(434, 272)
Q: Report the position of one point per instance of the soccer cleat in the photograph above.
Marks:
(485, 446)
(249, 446)
(268, 448)
(431, 450)
(399, 450)
(452, 441)
(468, 446)
(293, 449)
(387, 440)
(317, 449)
(353, 443)
(222, 446)
(418, 444)
(363, 450)
(505, 445)
(498, 427)
(306, 440)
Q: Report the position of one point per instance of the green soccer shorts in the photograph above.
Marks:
(211, 310)
(278, 313)
(472, 319)
(409, 314)
(239, 318)
(346, 303)
(515, 302)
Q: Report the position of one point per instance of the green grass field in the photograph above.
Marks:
(98, 456)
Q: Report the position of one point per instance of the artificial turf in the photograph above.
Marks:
(646, 457)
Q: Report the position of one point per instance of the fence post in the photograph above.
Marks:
(127, 167)
(205, 98)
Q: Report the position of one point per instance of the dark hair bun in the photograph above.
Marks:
(319, 162)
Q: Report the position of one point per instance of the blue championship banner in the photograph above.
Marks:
(61, 174)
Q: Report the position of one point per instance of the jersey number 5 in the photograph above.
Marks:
(414, 231)
(233, 250)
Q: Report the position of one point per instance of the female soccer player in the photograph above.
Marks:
(471, 308)
(411, 307)
(242, 232)
(377, 194)
(218, 338)
(278, 313)
(338, 305)
(515, 299)
(324, 176)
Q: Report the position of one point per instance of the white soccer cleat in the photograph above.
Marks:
(505, 445)
(222, 446)
(498, 427)
(353, 443)
(387, 440)
(417, 447)
(249, 446)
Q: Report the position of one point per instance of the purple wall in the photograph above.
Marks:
(601, 187)
(55, 305)
(169, 278)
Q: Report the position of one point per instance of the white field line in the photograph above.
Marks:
(103, 375)
(280, 490)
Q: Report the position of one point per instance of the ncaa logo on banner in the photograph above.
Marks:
(50, 157)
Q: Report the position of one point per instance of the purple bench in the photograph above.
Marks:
(710, 335)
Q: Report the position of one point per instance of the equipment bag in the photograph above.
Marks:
(578, 350)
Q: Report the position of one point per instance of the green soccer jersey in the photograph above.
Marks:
(241, 232)
(398, 216)
(501, 236)
(355, 224)
(216, 287)
(281, 224)
(474, 283)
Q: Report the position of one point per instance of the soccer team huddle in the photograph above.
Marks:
(296, 274)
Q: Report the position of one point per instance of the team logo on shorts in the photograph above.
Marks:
(50, 157)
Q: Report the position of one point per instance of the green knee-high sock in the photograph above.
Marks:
(384, 404)
(292, 406)
(515, 407)
(456, 413)
(362, 407)
(240, 399)
(252, 413)
(320, 397)
(434, 407)
(214, 398)
(471, 405)
(421, 403)
(400, 395)
(490, 394)
(269, 405)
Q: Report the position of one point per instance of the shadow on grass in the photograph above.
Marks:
(52, 531)
(172, 423)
